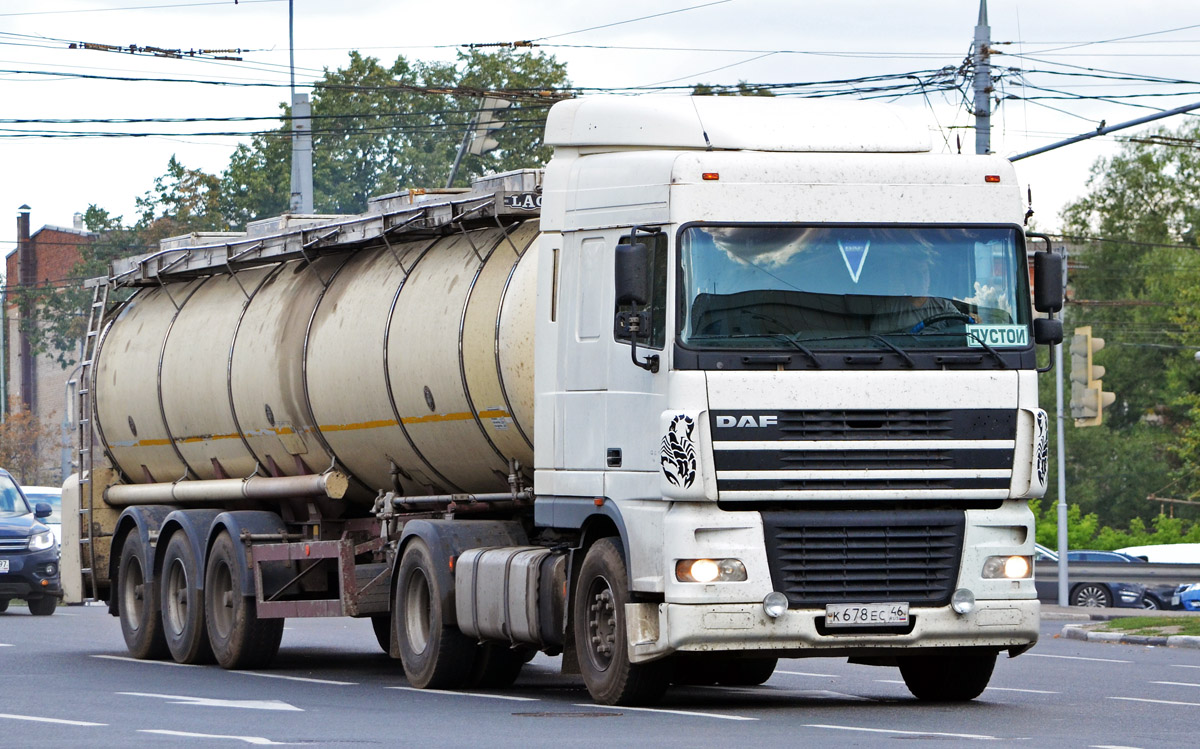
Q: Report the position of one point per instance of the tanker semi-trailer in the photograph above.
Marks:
(733, 379)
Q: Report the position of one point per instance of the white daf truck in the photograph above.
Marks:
(734, 379)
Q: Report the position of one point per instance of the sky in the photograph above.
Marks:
(1057, 48)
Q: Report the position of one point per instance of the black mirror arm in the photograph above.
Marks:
(635, 327)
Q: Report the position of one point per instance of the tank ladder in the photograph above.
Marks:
(86, 441)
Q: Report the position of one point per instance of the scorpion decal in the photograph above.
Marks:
(678, 454)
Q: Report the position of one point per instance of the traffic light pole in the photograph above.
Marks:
(1062, 477)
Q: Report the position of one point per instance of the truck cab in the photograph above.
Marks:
(821, 436)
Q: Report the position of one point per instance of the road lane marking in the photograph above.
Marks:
(152, 663)
(976, 736)
(1183, 665)
(805, 673)
(1112, 746)
(782, 692)
(259, 740)
(511, 697)
(1176, 683)
(6, 644)
(37, 719)
(690, 713)
(179, 699)
(1076, 658)
(1026, 691)
(298, 678)
(1157, 702)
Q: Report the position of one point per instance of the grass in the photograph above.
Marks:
(1161, 626)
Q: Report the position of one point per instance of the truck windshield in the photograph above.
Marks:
(849, 287)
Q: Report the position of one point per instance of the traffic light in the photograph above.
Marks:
(1088, 398)
(486, 122)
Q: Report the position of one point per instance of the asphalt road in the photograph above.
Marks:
(68, 682)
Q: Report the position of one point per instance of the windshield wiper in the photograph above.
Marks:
(789, 340)
(871, 337)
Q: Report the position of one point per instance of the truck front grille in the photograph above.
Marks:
(864, 556)
(863, 455)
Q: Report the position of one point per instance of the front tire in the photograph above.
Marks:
(947, 678)
(42, 606)
(3, 605)
(141, 620)
(598, 617)
(435, 656)
(239, 639)
(182, 604)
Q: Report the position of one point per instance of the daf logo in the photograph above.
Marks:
(747, 421)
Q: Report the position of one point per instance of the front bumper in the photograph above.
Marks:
(658, 630)
(27, 575)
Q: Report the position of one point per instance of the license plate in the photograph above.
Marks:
(865, 614)
(3, 565)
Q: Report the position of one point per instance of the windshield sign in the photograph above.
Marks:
(755, 286)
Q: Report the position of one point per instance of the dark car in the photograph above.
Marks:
(1156, 596)
(1105, 594)
(28, 552)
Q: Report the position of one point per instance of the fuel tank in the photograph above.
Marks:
(407, 364)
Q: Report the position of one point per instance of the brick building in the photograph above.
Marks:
(38, 383)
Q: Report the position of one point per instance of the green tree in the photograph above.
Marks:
(741, 89)
(1134, 277)
(378, 129)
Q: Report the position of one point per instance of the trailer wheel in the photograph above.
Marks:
(183, 604)
(746, 672)
(599, 621)
(141, 620)
(435, 656)
(947, 678)
(382, 625)
(239, 639)
(498, 665)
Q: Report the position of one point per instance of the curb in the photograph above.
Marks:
(1076, 632)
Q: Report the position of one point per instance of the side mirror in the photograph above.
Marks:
(42, 510)
(632, 274)
(1047, 331)
(1047, 282)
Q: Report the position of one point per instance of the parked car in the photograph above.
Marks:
(28, 553)
(1187, 597)
(1105, 594)
(51, 495)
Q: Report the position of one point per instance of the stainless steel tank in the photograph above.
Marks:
(411, 362)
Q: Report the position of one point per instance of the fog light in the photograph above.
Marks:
(51, 569)
(963, 601)
(775, 604)
(1009, 567)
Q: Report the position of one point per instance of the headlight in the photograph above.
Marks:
(41, 541)
(710, 571)
(1011, 568)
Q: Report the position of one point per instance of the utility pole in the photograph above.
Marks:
(983, 82)
(302, 187)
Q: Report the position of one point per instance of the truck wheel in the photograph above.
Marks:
(746, 672)
(3, 605)
(182, 604)
(42, 606)
(239, 639)
(141, 619)
(947, 678)
(498, 665)
(382, 625)
(435, 656)
(599, 623)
